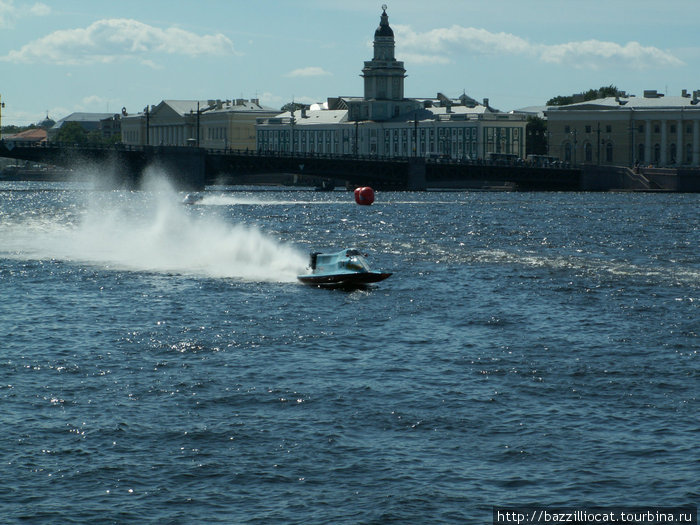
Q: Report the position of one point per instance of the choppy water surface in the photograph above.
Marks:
(159, 363)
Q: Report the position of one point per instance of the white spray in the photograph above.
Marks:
(153, 231)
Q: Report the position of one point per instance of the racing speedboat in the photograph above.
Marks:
(192, 198)
(347, 267)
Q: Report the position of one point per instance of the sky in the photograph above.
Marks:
(60, 57)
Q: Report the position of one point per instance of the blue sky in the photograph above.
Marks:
(99, 56)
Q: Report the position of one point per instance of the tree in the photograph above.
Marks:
(293, 106)
(12, 129)
(46, 123)
(536, 136)
(591, 94)
(96, 137)
(72, 133)
(561, 100)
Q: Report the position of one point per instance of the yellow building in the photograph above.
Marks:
(657, 130)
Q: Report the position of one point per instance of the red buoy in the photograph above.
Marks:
(364, 195)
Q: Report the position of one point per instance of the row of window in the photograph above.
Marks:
(672, 128)
(468, 134)
(454, 142)
(640, 128)
(216, 133)
(655, 154)
(130, 136)
(672, 152)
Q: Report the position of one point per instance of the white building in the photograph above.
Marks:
(384, 123)
(228, 124)
(663, 131)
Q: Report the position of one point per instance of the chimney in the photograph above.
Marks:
(685, 93)
(486, 102)
(303, 112)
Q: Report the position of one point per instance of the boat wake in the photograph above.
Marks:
(214, 199)
(151, 232)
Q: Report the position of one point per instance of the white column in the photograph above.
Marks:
(664, 143)
(648, 149)
(696, 143)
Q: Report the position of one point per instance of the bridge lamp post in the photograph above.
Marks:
(631, 139)
(2, 105)
(291, 125)
(356, 142)
(415, 134)
(148, 126)
(199, 112)
(573, 134)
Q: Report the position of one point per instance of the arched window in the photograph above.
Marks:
(588, 152)
(640, 153)
(657, 153)
(567, 152)
(689, 153)
(609, 152)
(673, 154)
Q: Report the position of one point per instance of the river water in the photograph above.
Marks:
(160, 363)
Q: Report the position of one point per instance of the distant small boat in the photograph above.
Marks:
(344, 268)
(325, 185)
(192, 198)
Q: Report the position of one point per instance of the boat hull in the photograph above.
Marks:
(346, 268)
(343, 279)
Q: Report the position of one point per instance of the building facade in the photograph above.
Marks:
(385, 123)
(214, 124)
(657, 130)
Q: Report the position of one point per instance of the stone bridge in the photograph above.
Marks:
(191, 169)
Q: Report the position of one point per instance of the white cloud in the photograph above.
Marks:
(277, 101)
(112, 40)
(94, 100)
(311, 71)
(595, 54)
(39, 9)
(443, 45)
(271, 100)
(9, 13)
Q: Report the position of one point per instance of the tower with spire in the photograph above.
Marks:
(383, 122)
(384, 75)
(384, 81)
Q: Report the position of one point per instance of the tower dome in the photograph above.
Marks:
(384, 74)
(384, 29)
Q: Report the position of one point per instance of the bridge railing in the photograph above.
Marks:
(429, 159)
(69, 145)
(311, 155)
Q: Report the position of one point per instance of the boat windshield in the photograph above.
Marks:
(357, 262)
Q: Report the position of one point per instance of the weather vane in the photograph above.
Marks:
(384, 7)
